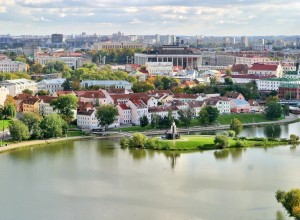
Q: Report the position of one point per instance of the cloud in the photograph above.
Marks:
(207, 17)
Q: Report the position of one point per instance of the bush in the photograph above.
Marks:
(152, 143)
(294, 138)
(137, 140)
(231, 133)
(225, 133)
(221, 141)
(124, 142)
(240, 144)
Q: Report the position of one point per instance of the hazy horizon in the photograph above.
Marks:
(208, 17)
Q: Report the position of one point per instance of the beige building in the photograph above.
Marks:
(117, 45)
(8, 66)
(17, 86)
(3, 94)
(250, 60)
(31, 105)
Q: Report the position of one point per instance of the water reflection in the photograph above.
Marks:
(273, 131)
(50, 150)
(235, 153)
(107, 150)
(173, 157)
(280, 215)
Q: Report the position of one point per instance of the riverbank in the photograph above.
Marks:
(33, 143)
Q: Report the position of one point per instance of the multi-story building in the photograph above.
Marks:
(239, 106)
(118, 45)
(289, 91)
(250, 60)
(3, 94)
(139, 109)
(51, 85)
(221, 103)
(274, 83)
(117, 84)
(44, 105)
(266, 69)
(245, 78)
(8, 66)
(16, 86)
(31, 104)
(159, 69)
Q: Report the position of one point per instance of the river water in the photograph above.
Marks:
(96, 179)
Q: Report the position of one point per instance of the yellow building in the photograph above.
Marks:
(31, 105)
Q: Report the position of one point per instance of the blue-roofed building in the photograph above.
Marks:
(239, 106)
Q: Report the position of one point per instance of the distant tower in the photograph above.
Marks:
(245, 41)
(157, 36)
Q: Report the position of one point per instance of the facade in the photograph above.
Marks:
(3, 94)
(9, 66)
(51, 85)
(289, 91)
(250, 60)
(118, 45)
(139, 109)
(97, 97)
(44, 106)
(245, 78)
(274, 83)
(31, 105)
(221, 103)
(125, 114)
(57, 38)
(239, 106)
(185, 60)
(16, 86)
(266, 69)
(117, 84)
(160, 68)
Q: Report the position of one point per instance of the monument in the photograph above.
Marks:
(172, 133)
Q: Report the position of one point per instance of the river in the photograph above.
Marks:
(96, 179)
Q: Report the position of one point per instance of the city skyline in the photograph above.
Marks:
(210, 18)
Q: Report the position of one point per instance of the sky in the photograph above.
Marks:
(179, 17)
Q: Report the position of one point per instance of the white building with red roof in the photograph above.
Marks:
(125, 114)
(266, 69)
(250, 60)
(138, 110)
(221, 103)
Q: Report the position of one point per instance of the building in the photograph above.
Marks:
(289, 91)
(117, 84)
(221, 103)
(250, 60)
(118, 45)
(96, 97)
(125, 114)
(245, 78)
(4, 92)
(138, 109)
(160, 68)
(274, 83)
(31, 104)
(245, 41)
(266, 69)
(51, 85)
(239, 106)
(9, 66)
(44, 105)
(57, 38)
(16, 86)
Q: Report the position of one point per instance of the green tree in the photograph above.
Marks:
(272, 99)
(144, 121)
(124, 142)
(137, 140)
(52, 126)
(228, 81)
(67, 85)
(185, 116)
(30, 119)
(294, 138)
(290, 201)
(155, 120)
(273, 110)
(236, 125)
(36, 68)
(221, 141)
(286, 110)
(42, 92)
(58, 67)
(142, 87)
(106, 115)
(208, 115)
(228, 72)
(65, 104)
(9, 110)
(27, 91)
(231, 133)
(19, 131)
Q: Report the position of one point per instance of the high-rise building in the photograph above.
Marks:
(157, 36)
(245, 41)
(56, 38)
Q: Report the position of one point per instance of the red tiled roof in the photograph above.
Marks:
(263, 67)
(31, 100)
(124, 107)
(251, 76)
(93, 94)
(47, 99)
(162, 109)
(185, 96)
(64, 92)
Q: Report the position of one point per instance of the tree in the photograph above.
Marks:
(221, 141)
(9, 110)
(272, 99)
(142, 87)
(58, 66)
(155, 119)
(273, 110)
(185, 116)
(236, 125)
(19, 131)
(208, 115)
(137, 140)
(42, 92)
(65, 104)
(9, 100)
(228, 81)
(36, 68)
(294, 138)
(228, 72)
(231, 133)
(30, 119)
(106, 115)
(67, 85)
(27, 91)
(286, 110)
(144, 121)
(213, 80)
(52, 126)
(290, 201)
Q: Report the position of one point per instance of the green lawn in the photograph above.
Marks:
(134, 128)
(201, 142)
(244, 118)
(7, 122)
(75, 133)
